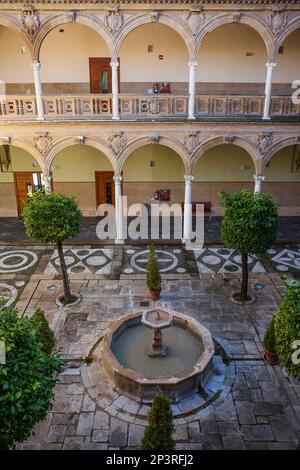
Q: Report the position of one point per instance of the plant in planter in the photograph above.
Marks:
(287, 328)
(153, 278)
(53, 218)
(270, 354)
(249, 225)
(158, 433)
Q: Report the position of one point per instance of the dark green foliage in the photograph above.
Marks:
(53, 218)
(153, 278)
(287, 329)
(38, 319)
(158, 433)
(26, 379)
(269, 338)
(249, 226)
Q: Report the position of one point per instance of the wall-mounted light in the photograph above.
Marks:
(150, 48)
(23, 50)
(152, 163)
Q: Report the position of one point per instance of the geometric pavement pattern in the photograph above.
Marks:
(224, 260)
(285, 259)
(82, 261)
(169, 259)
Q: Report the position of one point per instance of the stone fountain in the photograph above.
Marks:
(142, 364)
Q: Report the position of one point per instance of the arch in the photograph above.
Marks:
(69, 141)
(58, 20)
(292, 26)
(160, 140)
(280, 144)
(249, 20)
(28, 147)
(134, 23)
(232, 140)
(13, 26)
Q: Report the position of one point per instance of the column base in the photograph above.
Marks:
(119, 241)
(186, 241)
(191, 118)
(40, 119)
(266, 118)
(115, 118)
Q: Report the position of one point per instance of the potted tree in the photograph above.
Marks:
(158, 433)
(53, 218)
(153, 278)
(249, 225)
(270, 354)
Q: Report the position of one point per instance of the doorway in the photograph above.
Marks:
(105, 187)
(101, 75)
(26, 183)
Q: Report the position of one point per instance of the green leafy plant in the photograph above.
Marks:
(40, 322)
(153, 278)
(158, 433)
(287, 329)
(26, 379)
(53, 218)
(249, 225)
(269, 337)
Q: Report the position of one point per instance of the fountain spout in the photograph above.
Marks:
(157, 320)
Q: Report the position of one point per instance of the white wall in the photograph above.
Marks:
(288, 63)
(65, 56)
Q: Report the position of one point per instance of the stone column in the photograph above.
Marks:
(187, 215)
(192, 88)
(119, 210)
(268, 89)
(115, 89)
(258, 182)
(46, 181)
(38, 90)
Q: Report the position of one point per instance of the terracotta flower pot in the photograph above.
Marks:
(270, 357)
(154, 294)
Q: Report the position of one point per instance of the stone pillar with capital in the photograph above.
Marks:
(268, 90)
(38, 90)
(47, 183)
(258, 179)
(115, 89)
(192, 88)
(187, 215)
(119, 210)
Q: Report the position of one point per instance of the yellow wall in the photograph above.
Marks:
(280, 165)
(224, 163)
(168, 165)
(65, 56)
(79, 163)
(20, 161)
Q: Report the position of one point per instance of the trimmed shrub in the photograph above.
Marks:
(158, 433)
(269, 338)
(153, 278)
(47, 336)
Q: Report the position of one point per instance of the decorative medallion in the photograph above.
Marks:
(154, 106)
(117, 142)
(191, 141)
(30, 20)
(42, 143)
(264, 141)
(114, 21)
(277, 21)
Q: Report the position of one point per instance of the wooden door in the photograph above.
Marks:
(24, 184)
(105, 187)
(100, 75)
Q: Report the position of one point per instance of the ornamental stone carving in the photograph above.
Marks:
(117, 142)
(154, 106)
(42, 143)
(195, 21)
(229, 139)
(277, 21)
(30, 20)
(191, 141)
(114, 21)
(264, 141)
(79, 139)
(153, 16)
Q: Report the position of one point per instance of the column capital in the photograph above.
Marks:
(188, 178)
(259, 177)
(193, 64)
(114, 63)
(271, 64)
(118, 179)
(35, 65)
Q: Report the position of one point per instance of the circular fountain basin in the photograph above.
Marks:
(185, 368)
